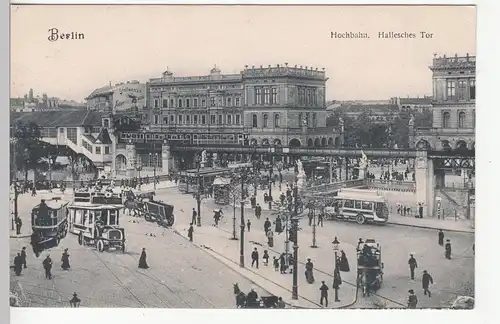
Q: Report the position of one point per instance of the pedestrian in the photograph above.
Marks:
(447, 249)
(413, 264)
(75, 301)
(267, 225)
(320, 218)
(47, 265)
(258, 211)
(190, 232)
(249, 224)
(337, 281)
(426, 280)
(440, 237)
(420, 211)
(282, 263)
(253, 201)
(18, 264)
(193, 217)
(324, 294)
(344, 263)
(281, 303)
(143, 264)
(23, 257)
(255, 258)
(19, 224)
(276, 264)
(309, 271)
(412, 299)
(65, 260)
(33, 190)
(270, 238)
(279, 226)
(265, 257)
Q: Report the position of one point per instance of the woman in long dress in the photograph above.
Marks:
(343, 263)
(65, 260)
(143, 264)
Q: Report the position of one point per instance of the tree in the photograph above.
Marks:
(27, 147)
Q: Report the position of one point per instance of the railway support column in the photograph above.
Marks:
(131, 159)
(165, 158)
(425, 183)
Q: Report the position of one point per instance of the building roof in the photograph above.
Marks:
(409, 101)
(372, 107)
(103, 137)
(72, 118)
(100, 91)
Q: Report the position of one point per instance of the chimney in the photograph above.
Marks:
(467, 55)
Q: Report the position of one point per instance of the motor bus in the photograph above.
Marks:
(49, 221)
(359, 206)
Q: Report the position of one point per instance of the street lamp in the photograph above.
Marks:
(335, 270)
(270, 181)
(198, 194)
(242, 221)
(295, 288)
(314, 225)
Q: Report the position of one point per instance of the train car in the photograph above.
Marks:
(95, 218)
(49, 221)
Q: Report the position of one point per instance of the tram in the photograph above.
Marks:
(95, 218)
(49, 221)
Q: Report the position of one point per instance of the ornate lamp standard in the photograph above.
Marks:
(242, 220)
(335, 270)
(314, 225)
(295, 288)
(198, 190)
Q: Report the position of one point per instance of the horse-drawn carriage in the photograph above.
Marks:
(248, 301)
(370, 266)
(143, 205)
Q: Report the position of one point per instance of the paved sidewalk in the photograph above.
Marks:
(459, 225)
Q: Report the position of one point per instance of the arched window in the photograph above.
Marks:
(276, 120)
(254, 120)
(461, 120)
(265, 119)
(180, 103)
(446, 120)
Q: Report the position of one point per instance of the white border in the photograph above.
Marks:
(487, 220)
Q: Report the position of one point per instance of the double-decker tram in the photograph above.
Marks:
(49, 221)
(95, 218)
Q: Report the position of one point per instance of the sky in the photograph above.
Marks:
(139, 42)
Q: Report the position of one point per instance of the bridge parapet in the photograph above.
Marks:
(391, 185)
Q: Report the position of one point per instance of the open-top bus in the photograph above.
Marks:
(95, 218)
(49, 221)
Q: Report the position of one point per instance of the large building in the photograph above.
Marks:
(453, 105)
(122, 97)
(267, 105)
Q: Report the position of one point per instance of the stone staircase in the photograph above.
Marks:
(453, 203)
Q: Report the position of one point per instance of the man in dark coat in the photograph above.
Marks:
(23, 257)
(65, 260)
(249, 224)
(255, 258)
(426, 280)
(320, 219)
(412, 299)
(190, 232)
(440, 237)
(252, 299)
(337, 281)
(143, 264)
(282, 263)
(19, 224)
(447, 249)
(18, 264)
(193, 217)
(267, 225)
(279, 227)
(258, 211)
(413, 264)
(253, 201)
(324, 294)
(47, 265)
(420, 211)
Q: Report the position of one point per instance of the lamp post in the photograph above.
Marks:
(295, 288)
(242, 221)
(234, 238)
(335, 270)
(270, 183)
(198, 191)
(314, 227)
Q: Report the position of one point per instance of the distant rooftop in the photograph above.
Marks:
(439, 62)
(57, 118)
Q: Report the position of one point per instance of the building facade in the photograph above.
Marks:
(265, 106)
(453, 106)
(122, 97)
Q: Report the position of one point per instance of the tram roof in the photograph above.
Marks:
(359, 196)
(91, 206)
(55, 204)
(205, 171)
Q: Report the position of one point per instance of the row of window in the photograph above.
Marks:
(461, 120)
(458, 89)
(265, 121)
(199, 119)
(307, 96)
(196, 102)
(98, 150)
(266, 95)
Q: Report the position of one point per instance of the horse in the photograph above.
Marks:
(241, 297)
(131, 206)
